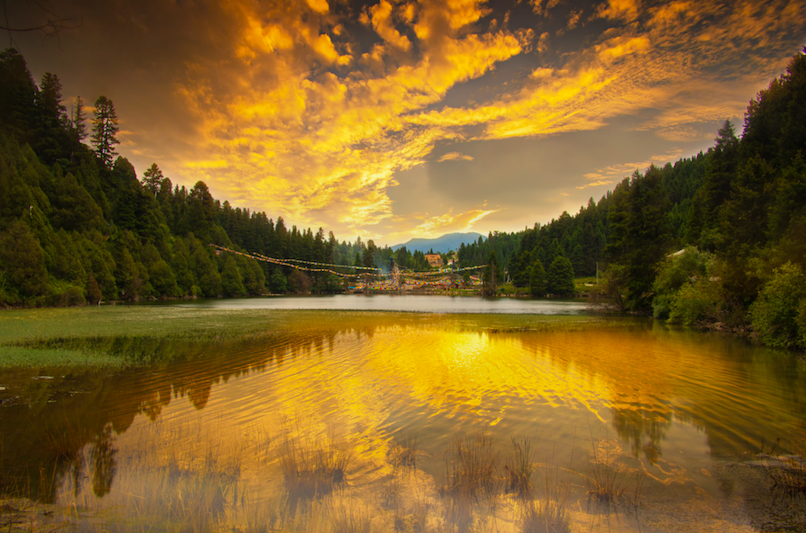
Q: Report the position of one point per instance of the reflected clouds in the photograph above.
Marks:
(669, 395)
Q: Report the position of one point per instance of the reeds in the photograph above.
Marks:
(546, 516)
(471, 468)
(471, 474)
(349, 520)
(312, 471)
(519, 468)
(608, 483)
(550, 514)
(404, 455)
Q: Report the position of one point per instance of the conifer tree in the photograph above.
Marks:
(104, 130)
(78, 118)
(152, 178)
(560, 277)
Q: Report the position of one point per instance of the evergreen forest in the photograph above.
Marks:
(717, 240)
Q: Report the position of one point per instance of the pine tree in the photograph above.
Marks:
(537, 279)
(152, 178)
(78, 119)
(491, 276)
(104, 129)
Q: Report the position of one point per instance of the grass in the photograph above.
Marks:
(471, 475)
(519, 468)
(168, 485)
(549, 516)
(348, 520)
(25, 357)
(404, 455)
(608, 483)
(312, 471)
(471, 468)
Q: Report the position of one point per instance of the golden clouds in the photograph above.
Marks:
(432, 226)
(613, 173)
(626, 10)
(326, 145)
(455, 156)
(384, 26)
(308, 121)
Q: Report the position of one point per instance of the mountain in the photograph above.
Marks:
(443, 244)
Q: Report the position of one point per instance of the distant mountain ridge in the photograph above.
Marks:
(443, 244)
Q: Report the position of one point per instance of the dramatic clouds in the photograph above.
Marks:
(395, 118)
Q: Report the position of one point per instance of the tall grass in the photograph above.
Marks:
(609, 483)
(312, 471)
(346, 519)
(471, 474)
(519, 468)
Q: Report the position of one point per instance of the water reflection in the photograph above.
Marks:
(377, 378)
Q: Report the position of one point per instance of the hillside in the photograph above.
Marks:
(440, 245)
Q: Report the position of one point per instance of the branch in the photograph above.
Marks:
(51, 27)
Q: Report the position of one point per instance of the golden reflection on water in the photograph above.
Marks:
(659, 399)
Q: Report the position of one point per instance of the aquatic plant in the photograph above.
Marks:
(608, 483)
(311, 471)
(404, 454)
(519, 468)
(545, 516)
(349, 520)
(472, 467)
(471, 474)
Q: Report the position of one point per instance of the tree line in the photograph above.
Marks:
(77, 224)
(717, 240)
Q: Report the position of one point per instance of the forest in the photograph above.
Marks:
(717, 240)
(78, 226)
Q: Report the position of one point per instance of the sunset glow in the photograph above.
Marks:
(397, 119)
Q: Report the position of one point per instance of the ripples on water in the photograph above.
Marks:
(660, 400)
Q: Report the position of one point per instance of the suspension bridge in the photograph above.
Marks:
(362, 278)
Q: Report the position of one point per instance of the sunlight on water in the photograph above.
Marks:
(221, 424)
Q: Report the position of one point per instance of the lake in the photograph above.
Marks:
(353, 412)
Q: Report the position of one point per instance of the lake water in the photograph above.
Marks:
(402, 303)
(672, 414)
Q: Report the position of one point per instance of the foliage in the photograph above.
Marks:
(777, 315)
(610, 294)
(491, 276)
(695, 302)
(560, 277)
(22, 263)
(537, 279)
(676, 271)
(104, 130)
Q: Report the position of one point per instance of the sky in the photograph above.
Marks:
(394, 119)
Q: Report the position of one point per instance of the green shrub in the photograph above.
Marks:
(800, 320)
(675, 273)
(777, 314)
(695, 302)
